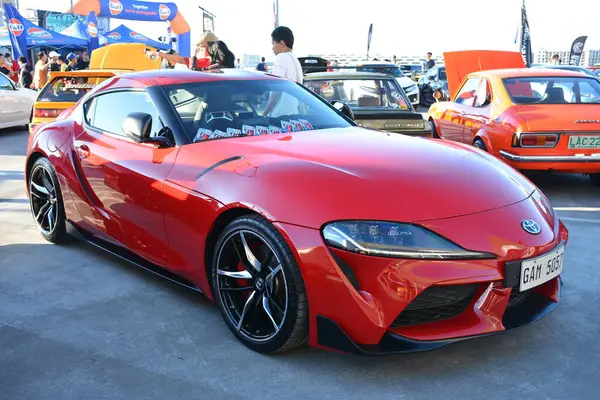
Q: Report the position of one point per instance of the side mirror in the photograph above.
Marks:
(138, 126)
(343, 108)
(18, 85)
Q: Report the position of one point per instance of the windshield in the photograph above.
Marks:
(553, 90)
(361, 93)
(382, 69)
(225, 109)
(409, 68)
(69, 89)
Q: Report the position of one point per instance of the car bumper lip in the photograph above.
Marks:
(545, 158)
(332, 336)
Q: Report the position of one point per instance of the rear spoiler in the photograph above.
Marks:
(95, 73)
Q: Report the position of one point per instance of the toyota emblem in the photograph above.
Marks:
(531, 226)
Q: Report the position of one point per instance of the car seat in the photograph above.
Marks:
(554, 95)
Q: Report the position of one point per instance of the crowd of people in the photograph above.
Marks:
(35, 77)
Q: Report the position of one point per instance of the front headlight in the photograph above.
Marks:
(397, 240)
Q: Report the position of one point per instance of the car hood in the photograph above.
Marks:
(561, 117)
(309, 178)
(405, 82)
(462, 63)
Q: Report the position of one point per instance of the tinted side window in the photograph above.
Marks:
(111, 109)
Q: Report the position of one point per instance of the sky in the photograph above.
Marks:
(400, 27)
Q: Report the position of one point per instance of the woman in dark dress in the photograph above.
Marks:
(219, 53)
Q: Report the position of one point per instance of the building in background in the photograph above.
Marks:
(593, 58)
(588, 57)
(250, 60)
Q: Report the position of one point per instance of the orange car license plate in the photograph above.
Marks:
(584, 142)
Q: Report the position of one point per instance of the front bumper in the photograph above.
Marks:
(366, 298)
(331, 336)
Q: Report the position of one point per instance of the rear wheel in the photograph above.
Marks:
(480, 145)
(258, 286)
(46, 202)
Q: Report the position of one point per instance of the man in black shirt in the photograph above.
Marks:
(54, 65)
(430, 63)
(25, 77)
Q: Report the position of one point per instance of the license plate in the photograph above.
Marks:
(540, 270)
(584, 142)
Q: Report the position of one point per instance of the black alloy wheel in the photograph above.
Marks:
(45, 200)
(258, 286)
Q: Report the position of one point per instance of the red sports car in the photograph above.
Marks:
(301, 226)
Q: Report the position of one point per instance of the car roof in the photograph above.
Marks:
(339, 75)
(164, 77)
(526, 72)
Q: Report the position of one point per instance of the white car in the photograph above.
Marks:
(409, 86)
(16, 103)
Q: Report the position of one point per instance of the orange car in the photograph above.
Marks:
(533, 119)
(63, 90)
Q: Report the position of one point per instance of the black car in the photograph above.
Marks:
(433, 81)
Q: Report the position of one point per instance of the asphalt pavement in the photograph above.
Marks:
(76, 323)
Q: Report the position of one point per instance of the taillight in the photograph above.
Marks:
(46, 113)
(538, 140)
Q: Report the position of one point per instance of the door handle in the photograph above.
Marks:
(83, 151)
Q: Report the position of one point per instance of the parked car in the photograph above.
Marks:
(63, 90)
(433, 86)
(16, 103)
(301, 226)
(574, 68)
(408, 85)
(532, 118)
(376, 100)
(411, 70)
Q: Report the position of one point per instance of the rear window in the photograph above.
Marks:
(69, 89)
(553, 90)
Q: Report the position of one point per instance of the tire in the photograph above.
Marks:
(480, 145)
(286, 312)
(595, 178)
(48, 208)
(434, 132)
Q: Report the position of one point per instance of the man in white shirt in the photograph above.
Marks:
(286, 66)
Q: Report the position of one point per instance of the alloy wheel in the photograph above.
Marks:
(252, 285)
(43, 199)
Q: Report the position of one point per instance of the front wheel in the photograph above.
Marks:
(46, 202)
(480, 145)
(258, 286)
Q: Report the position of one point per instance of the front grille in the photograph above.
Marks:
(437, 303)
(517, 297)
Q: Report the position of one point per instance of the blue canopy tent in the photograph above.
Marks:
(122, 34)
(37, 37)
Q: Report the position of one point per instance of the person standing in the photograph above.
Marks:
(72, 62)
(430, 62)
(261, 66)
(25, 76)
(14, 67)
(40, 73)
(555, 60)
(54, 65)
(286, 62)
(219, 53)
(286, 66)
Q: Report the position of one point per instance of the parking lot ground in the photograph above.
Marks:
(76, 323)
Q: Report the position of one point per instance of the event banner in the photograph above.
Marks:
(208, 22)
(92, 32)
(16, 29)
(577, 50)
(138, 10)
(526, 50)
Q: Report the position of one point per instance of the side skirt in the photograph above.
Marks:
(129, 256)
